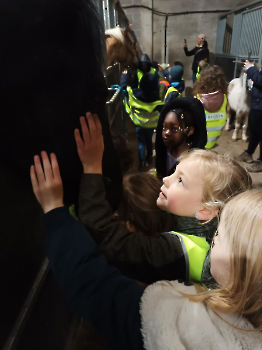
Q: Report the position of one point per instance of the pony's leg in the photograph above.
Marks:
(244, 127)
(227, 127)
(237, 126)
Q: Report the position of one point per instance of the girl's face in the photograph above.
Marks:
(170, 135)
(182, 192)
(220, 255)
(199, 41)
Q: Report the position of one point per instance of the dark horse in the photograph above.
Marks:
(51, 73)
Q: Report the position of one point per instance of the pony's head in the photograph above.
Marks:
(121, 46)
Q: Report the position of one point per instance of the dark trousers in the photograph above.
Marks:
(144, 137)
(194, 77)
(255, 131)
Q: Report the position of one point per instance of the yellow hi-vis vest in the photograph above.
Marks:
(140, 74)
(142, 113)
(172, 89)
(195, 251)
(215, 121)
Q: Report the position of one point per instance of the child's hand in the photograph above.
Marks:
(47, 184)
(91, 148)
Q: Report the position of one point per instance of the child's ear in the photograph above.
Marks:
(206, 214)
(191, 131)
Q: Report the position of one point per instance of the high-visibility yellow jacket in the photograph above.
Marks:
(173, 89)
(140, 74)
(142, 114)
(215, 121)
(195, 251)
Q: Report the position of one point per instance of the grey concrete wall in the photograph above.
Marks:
(179, 27)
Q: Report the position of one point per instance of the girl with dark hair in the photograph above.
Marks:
(181, 126)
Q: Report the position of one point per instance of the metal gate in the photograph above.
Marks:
(239, 37)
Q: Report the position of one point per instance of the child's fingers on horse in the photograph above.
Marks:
(39, 171)
(33, 177)
(92, 125)
(47, 166)
(55, 167)
(78, 139)
(97, 123)
(85, 131)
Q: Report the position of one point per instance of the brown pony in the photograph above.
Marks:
(120, 46)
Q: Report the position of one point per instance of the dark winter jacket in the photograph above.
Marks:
(198, 139)
(146, 259)
(93, 288)
(200, 53)
(256, 97)
(149, 88)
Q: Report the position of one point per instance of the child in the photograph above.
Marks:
(143, 105)
(138, 209)
(210, 180)
(181, 126)
(201, 65)
(210, 89)
(177, 84)
(166, 314)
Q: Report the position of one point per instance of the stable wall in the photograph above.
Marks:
(150, 29)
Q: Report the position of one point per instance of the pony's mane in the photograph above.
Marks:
(117, 33)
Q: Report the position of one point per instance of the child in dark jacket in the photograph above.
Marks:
(210, 180)
(181, 126)
(132, 317)
(177, 83)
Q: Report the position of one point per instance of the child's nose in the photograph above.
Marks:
(166, 181)
(167, 131)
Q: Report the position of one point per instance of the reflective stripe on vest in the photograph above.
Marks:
(195, 251)
(141, 113)
(215, 121)
(172, 89)
(140, 74)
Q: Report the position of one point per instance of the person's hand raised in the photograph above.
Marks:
(90, 148)
(47, 184)
(247, 64)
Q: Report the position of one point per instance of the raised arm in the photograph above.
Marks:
(114, 239)
(189, 53)
(94, 289)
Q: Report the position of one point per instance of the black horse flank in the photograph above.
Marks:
(51, 74)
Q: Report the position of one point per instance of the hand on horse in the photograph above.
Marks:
(90, 148)
(47, 183)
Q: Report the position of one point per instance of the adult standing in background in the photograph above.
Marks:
(200, 52)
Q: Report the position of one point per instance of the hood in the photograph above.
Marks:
(212, 101)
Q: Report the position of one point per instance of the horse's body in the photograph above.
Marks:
(238, 105)
(51, 74)
(120, 46)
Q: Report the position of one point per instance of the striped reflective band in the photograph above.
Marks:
(215, 128)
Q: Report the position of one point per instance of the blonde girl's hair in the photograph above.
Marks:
(223, 178)
(242, 220)
(138, 206)
(212, 79)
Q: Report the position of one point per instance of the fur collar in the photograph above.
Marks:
(170, 321)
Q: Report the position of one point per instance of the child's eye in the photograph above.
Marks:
(164, 127)
(174, 130)
(180, 180)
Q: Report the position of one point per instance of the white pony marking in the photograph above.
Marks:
(238, 102)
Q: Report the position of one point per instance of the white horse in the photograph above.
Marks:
(239, 103)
